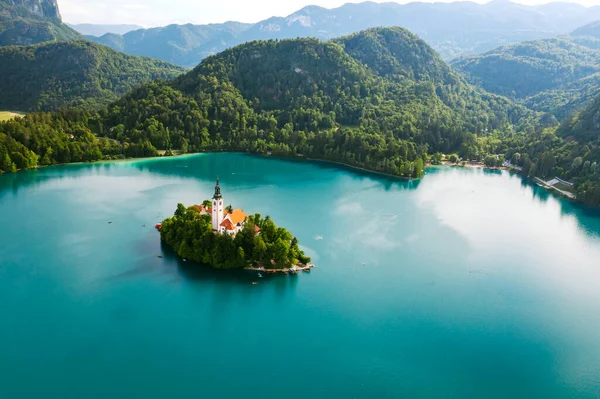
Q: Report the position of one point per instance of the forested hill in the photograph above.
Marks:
(584, 126)
(381, 99)
(320, 100)
(83, 74)
(551, 75)
(26, 22)
(398, 54)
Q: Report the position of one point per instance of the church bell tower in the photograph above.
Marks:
(217, 208)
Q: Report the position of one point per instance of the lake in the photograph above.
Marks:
(465, 284)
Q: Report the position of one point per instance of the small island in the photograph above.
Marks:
(226, 238)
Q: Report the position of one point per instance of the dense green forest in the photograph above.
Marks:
(191, 236)
(564, 101)
(559, 76)
(51, 76)
(319, 100)
(24, 32)
(353, 100)
(380, 99)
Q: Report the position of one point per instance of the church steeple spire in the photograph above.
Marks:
(217, 190)
(217, 208)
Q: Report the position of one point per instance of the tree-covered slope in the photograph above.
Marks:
(564, 101)
(558, 76)
(26, 22)
(526, 69)
(315, 98)
(397, 53)
(305, 97)
(25, 32)
(584, 126)
(55, 75)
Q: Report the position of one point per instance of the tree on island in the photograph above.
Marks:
(191, 236)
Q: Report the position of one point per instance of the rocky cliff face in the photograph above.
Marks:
(43, 9)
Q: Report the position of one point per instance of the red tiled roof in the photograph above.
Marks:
(201, 209)
(237, 216)
(228, 225)
(256, 228)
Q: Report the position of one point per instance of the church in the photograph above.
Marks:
(224, 221)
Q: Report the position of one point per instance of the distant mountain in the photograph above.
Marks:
(591, 30)
(559, 75)
(452, 29)
(179, 44)
(26, 22)
(56, 75)
(99, 30)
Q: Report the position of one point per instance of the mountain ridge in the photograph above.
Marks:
(557, 75)
(451, 28)
(100, 30)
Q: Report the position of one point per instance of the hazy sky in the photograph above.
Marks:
(163, 12)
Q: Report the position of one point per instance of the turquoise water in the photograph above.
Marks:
(466, 284)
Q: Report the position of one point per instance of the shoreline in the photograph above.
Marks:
(470, 166)
(361, 169)
(288, 270)
(101, 161)
(306, 159)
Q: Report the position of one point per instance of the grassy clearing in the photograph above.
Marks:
(6, 115)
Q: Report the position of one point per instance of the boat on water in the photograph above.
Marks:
(259, 275)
